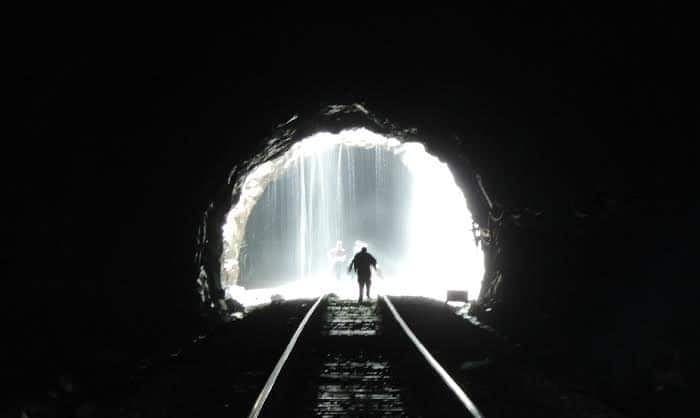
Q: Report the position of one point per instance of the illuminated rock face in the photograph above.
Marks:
(352, 186)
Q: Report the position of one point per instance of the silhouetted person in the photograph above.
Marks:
(337, 255)
(362, 263)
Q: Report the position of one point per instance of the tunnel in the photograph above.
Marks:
(163, 174)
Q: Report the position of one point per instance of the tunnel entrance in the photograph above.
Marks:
(360, 188)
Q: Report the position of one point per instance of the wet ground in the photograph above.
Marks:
(355, 362)
(342, 367)
(501, 380)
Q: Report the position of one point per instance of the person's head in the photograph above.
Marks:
(364, 249)
(339, 244)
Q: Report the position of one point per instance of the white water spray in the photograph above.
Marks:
(355, 185)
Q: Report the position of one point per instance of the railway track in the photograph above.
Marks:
(349, 360)
(355, 360)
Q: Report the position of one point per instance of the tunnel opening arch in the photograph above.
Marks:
(223, 223)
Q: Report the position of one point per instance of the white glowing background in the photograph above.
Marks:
(442, 255)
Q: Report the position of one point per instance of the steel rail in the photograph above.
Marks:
(471, 407)
(265, 392)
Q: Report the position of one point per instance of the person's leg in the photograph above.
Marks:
(368, 284)
(360, 284)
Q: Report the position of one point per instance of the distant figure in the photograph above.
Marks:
(337, 256)
(361, 263)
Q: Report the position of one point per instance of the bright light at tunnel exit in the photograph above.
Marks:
(441, 256)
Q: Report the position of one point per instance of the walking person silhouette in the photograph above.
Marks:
(362, 263)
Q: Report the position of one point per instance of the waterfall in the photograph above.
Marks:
(338, 193)
(395, 197)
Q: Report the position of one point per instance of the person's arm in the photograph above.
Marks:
(351, 264)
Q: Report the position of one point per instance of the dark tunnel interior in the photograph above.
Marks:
(581, 125)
